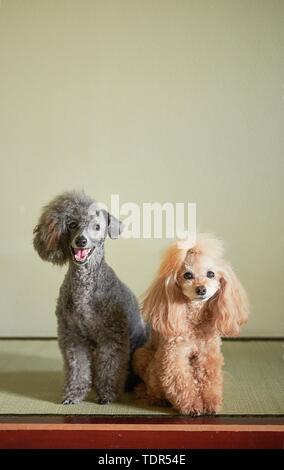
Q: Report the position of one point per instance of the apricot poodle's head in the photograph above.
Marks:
(195, 278)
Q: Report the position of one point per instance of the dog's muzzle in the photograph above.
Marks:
(81, 255)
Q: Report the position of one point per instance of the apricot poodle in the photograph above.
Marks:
(195, 299)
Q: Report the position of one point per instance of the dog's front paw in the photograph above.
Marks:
(191, 407)
(190, 411)
(68, 401)
(211, 409)
(212, 405)
(104, 401)
(209, 412)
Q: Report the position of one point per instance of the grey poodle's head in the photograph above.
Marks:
(73, 227)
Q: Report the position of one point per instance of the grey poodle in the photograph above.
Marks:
(99, 325)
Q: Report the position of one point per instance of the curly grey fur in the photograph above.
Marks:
(99, 325)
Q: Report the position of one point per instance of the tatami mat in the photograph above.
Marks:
(31, 381)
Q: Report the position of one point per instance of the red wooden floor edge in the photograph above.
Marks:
(140, 433)
(140, 440)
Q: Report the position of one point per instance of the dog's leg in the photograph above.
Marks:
(145, 366)
(177, 378)
(77, 363)
(210, 376)
(110, 369)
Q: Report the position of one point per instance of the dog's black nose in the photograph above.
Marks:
(200, 290)
(81, 241)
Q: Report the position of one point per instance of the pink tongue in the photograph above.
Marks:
(80, 255)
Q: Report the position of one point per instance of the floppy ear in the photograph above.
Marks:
(114, 226)
(231, 304)
(48, 234)
(164, 306)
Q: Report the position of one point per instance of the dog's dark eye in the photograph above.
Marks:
(97, 227)
(72, 225)
(210, 274)
(188, 275)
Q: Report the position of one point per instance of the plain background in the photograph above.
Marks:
(155, 101)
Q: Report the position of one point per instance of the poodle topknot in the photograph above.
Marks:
(99, 325)
(195, 298)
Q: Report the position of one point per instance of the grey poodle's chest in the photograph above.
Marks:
(92, 302)
(84, 318)
(80, 308)
(84, 323)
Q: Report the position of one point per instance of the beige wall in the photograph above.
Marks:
(156, 101)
